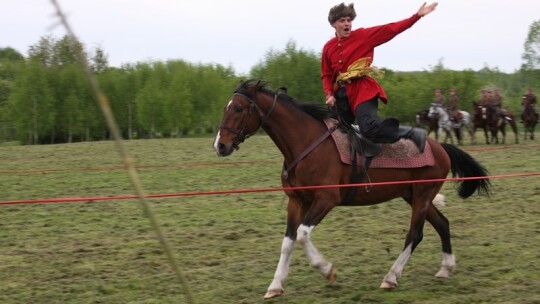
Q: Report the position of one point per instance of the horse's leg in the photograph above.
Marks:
(309, 218)
(420, 204)
(440, 134)
(514, 128)
(494, 135)
(322, 204)
(449, 135)
(472, 133)
(314, 257)
(459, 135)
(295, 213)
(442, 226)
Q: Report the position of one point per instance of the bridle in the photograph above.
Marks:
(241, 134)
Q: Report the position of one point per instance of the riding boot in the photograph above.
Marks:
(417, 135)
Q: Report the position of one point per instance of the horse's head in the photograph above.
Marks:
(480, 111)
(422, 117)
(434, 110)
(242, 117)
(458, 115)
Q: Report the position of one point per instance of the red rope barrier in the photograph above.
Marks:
(217, 163)
(226, 192)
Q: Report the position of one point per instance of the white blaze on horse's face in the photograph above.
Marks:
(218, 135)
(228, 105)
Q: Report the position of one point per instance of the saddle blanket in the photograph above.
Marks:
(401, 154)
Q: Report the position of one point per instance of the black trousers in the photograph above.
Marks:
(342, 105)
(377, 130)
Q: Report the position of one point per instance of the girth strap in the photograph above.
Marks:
(356, 177)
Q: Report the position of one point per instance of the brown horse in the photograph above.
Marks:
(529, 117)
(480, 119)
(311, 161)
(497, 120)
(430, 123)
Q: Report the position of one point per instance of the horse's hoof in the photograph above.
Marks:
(388, 285)
(273, 293)
(443, 273)
(331, 277)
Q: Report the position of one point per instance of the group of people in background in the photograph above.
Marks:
(488, 98)
(494, 99)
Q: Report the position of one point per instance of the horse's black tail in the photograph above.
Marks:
(463, 165)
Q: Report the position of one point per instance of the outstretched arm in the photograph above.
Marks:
(426, 9)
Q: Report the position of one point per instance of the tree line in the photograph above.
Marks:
(46, 98)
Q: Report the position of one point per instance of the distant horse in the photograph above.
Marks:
(497, 122)
(529, 118)
(424, 121)
(432, 123)
(461, 120)
(312, 166)
(443, 122)
(480, 119)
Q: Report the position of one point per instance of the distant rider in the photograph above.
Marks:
(452, 106)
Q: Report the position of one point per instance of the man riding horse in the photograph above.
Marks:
(485, 99)
(497, 103)
(529, 99)
(346, 74)
(439, 98)
(452, 107)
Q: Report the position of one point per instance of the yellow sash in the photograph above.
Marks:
(360, 68)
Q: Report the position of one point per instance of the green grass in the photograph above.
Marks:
(228, 245)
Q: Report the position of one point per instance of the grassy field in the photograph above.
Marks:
(228, 245)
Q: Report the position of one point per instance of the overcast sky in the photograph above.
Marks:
(462, 33)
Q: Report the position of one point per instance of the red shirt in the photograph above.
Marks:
(338, 55)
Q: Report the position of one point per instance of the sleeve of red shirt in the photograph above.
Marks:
(326, 74)
(383, 33)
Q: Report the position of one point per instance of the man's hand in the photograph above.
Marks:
(331, 101)
(426, 9)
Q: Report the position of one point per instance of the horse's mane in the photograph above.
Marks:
(316, 110)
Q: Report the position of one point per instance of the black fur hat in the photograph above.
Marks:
(341, 10)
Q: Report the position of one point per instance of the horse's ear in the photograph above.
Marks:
(259, 85)
(281, 90)
(239, 85)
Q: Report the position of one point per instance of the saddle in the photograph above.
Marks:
(401, 154)
(350, 140)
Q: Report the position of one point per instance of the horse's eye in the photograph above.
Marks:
(239, 108)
